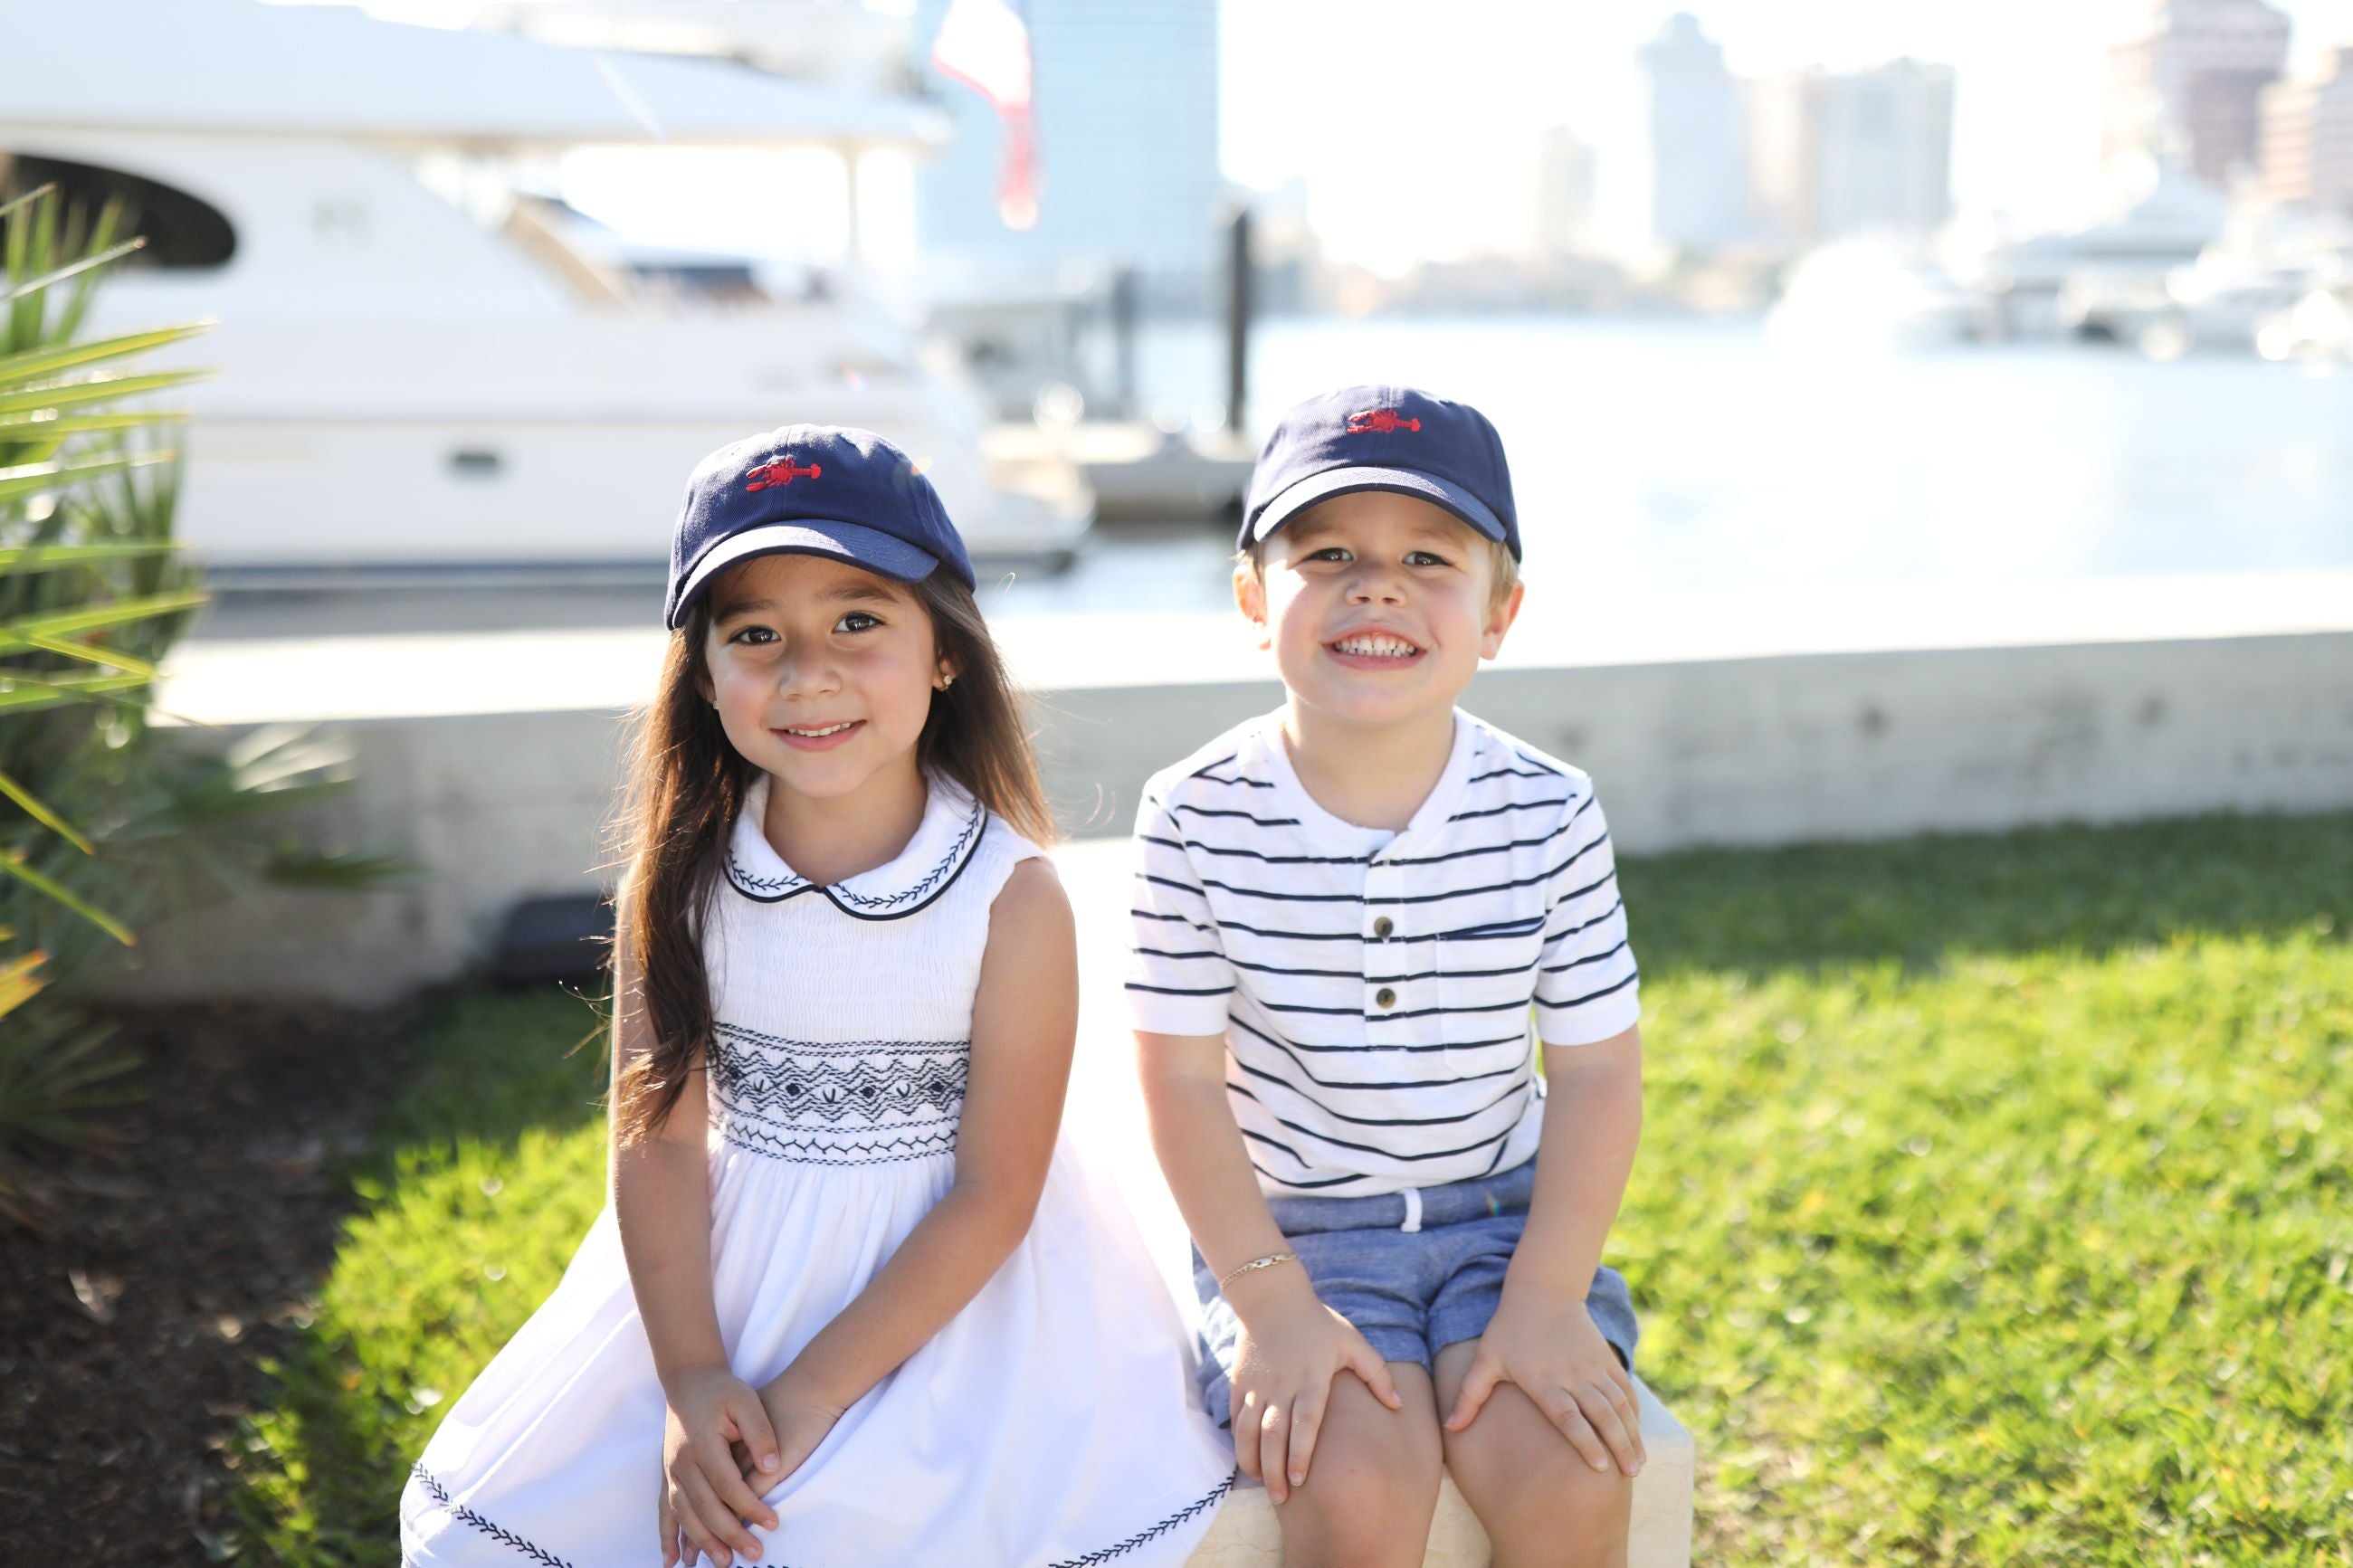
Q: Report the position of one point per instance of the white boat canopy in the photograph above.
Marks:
(242, 67)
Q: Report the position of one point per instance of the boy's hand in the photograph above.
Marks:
(704, 1499)
(800, 1418)
(1552, 1351)
(1290, 1348)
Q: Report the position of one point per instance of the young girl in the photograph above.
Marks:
(849, 1303)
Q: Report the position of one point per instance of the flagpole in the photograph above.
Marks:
(853, 256)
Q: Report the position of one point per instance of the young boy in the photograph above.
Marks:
(1348, 914)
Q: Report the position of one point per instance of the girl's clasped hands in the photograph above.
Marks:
(723, 1445)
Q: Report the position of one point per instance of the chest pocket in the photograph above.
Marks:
(1486, 975)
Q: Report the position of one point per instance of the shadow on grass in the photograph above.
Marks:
(1920, 901)
(480, 1156)
(493, 1066)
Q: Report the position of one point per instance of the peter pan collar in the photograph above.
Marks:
(944, 841)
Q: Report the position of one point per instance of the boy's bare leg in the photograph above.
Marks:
(1542, 1503)
(1372, 1482)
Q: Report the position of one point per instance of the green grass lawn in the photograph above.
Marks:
(1995, 1207)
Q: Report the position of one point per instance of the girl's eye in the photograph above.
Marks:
(1329, 553)
(855, 621)
(754, 635)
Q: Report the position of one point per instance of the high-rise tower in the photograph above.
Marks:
(1696, 190)
(1837, 153)
(2189, 82)
(1125, 112)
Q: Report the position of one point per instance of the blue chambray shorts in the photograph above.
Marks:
(1410, 1292)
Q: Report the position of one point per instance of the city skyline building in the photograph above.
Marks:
(2188, 83)
(1835, 154)
(1125, 110)
(1565, 192)
(2308, 137)
(1696, 186)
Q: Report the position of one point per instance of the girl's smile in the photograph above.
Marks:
(824, 739)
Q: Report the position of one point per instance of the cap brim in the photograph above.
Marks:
(852, 542)
(1350, 480)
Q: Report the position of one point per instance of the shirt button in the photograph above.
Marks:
(1385, 997)
(1383, 926)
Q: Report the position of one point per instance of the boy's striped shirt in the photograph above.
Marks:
(1375, 988)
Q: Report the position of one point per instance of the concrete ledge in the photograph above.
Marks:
(1247, 1535)
(1743, 751)
(1803, 747)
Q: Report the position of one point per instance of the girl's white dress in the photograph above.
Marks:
(1052, 1422)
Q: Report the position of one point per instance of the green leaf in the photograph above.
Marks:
(19, 981)
(45, 425)
(43, 815)
(28, 198)
(28, 477)
(33, 365)
(40, 557)
(23, 291)
(20, 633)
(340, 873)
(52, 1072)
(94, 653)
(96, 389)
(14, 864)
(24, 694)
(85, 289)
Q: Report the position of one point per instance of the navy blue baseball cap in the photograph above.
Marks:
(1383, 438)
(810, 489)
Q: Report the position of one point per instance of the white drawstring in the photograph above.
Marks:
(1412, 1209)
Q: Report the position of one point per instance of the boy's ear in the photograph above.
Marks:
(1250, 597)
(1500, 617)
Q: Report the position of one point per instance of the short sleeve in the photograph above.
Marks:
(1587, 988)
(1178, 981)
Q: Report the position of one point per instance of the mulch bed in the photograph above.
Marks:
(172, 1261)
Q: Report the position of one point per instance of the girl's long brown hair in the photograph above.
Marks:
(687, 783)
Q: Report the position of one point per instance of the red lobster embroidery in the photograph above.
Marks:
(768, 476)
(1382, 419)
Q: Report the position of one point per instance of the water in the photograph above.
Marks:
(1656, 461)
(1671, 457)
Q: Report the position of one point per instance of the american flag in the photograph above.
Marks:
(984, 44)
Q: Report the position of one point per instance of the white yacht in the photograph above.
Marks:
(2105, 280)
(417, 373)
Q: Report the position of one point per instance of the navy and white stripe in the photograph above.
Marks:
(1377, 990)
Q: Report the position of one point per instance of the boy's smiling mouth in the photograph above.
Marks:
(1374, 650)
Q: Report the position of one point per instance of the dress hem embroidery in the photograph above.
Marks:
(546, 1558)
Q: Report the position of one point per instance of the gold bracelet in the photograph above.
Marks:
(1255, 1264)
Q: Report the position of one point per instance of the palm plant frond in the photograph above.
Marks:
(102, 827)
(58, 275)
(34, 364)
(13, 863)
(24, 694)
(103, 388)
(43, 815)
